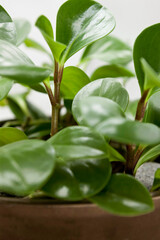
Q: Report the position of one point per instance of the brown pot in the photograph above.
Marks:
(32, 220)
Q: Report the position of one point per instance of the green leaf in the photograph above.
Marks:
(156, 183)
(78, 142)
(79, 179)
(132, 109)
(15, 65)
(10, 135)
(108, 49)
(72, 81)
(5, 87)
(152, 114)
(7, 27)
(106, 88)
(107, 118)
(148, 156)
(114, 156)
(39, 130)
(22, 166)
(78, 25)
(113, 71)
(23, 28)
(147, 46)
(45, 28)
(124, 196)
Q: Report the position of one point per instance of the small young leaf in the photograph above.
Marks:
(124, 196)
(108, 49)
(147, 46)
(112, 71)
(78, 25)
(10, 135)
(148, 156)
(23, 28)
(78, 142)
(5, 87)
(22, 166)
(156, 183)
(72, 81)
(107, 88)
(78, 179)
(7, 27)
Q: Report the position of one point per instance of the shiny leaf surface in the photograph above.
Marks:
(10, 135)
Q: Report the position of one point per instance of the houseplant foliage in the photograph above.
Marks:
(93, 151)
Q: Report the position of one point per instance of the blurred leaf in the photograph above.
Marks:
(7, 27)
(113, 71)
(124, 196)
(132, 109)
(72, 81)
(78, 142)
(78, 179)
(114, 156)
(22, 166)
(147, 46)
(23, 28)
(156, 183)
(10, 135)
(107, 88)
(108, 49)
(5, 87)
(78, 25)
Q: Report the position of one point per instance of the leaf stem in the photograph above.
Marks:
(141, 106)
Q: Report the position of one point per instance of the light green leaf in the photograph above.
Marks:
(78, 142)
(108, 49)
(124, 196)
(148, 156)
(131, 109)
(78, 25)
(79, 179)
(23, 28)
(5, 87)
(22, 166)
(7, 27)
(106, 88)
(10, 135)
(72, 81)
(147, 46)
(45, 27)
(112, 71)
(114, 156)
(156, 183)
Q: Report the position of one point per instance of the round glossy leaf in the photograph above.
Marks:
(148, 156)
(23, 28)
(152, 114)
(25, 166)
(94, 110)
(78, 142)
(7, 27)
(108, 49)
(78, 25)
(147, 46)
(79, 179)
(107, 88)
(124, 196)
(5, 87)
(10, 135)
(72, 81)
(112, 71)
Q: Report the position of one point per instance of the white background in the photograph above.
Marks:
(132, 16)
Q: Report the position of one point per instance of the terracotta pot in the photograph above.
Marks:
(32, 220)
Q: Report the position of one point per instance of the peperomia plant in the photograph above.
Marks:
(93, 149)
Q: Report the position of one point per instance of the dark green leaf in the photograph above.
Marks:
(108, 49)
(156, 183)
(73, 80)
(5, 87)
(107, 88)
(10, 135)
(113, 71)
(147, 46)
(79, 179)
(78, 25)
(25, 166)
(78, 142)
(23, 28)
(7, 27)
(124, 196)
